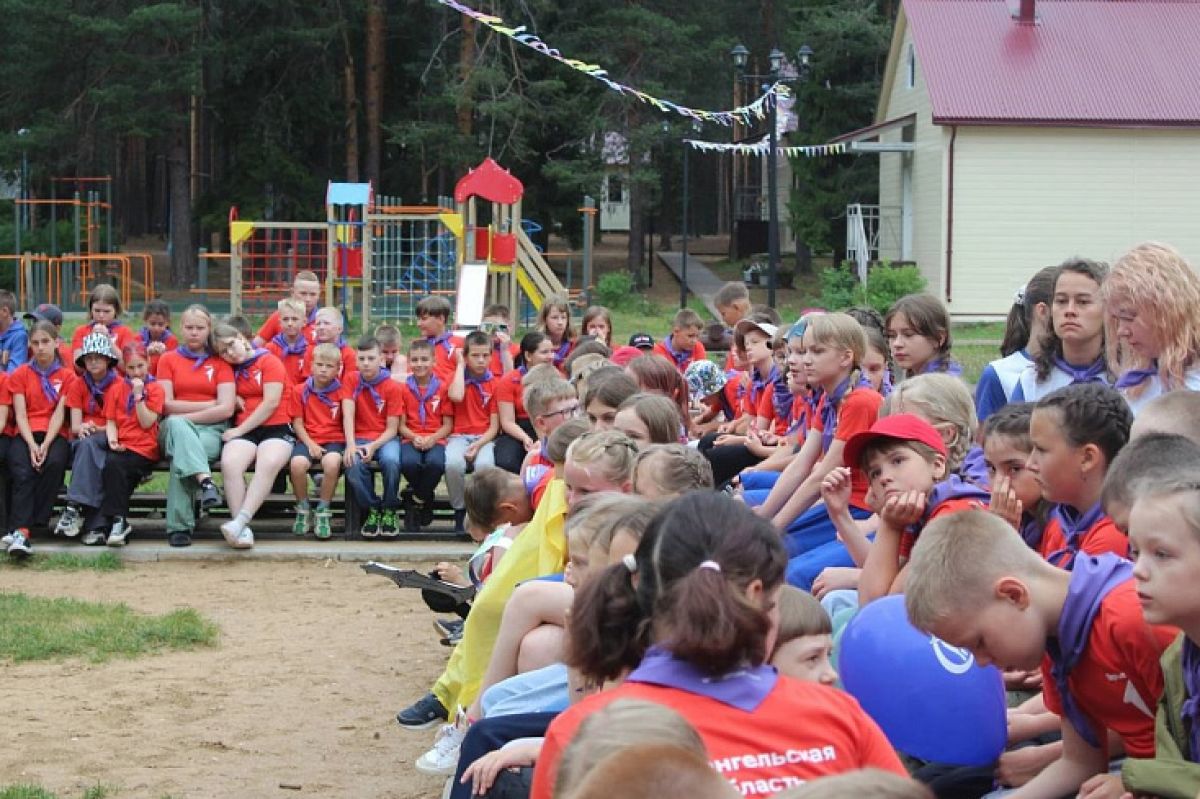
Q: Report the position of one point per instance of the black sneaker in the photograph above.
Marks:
(448, 627)
(460, 518)
(210, 495)
(425, 514)
(412, 522)
(453, 640)
(180, 538)
(426, 712)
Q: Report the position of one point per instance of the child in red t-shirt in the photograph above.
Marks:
(322, 431)
(36, 469)
(517, 435)
(290, 345)
(104, 316)
(476, 419)
(554, 319)
(261, 434)
(427, 419)
(390, 342)
(433, 315)
(96, 376)
(496, 323)
(374, 405)
(683, 347)
(974, 583)
(306, 288)
(1076, 432)
(327, 329)
(156, 335)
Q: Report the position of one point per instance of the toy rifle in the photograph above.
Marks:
(411, 578)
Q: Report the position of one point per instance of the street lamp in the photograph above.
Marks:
(775, 59)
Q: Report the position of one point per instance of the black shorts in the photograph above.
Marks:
(301, 451)
(268, 431)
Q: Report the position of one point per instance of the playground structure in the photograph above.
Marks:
(67, 278)
(377, 258)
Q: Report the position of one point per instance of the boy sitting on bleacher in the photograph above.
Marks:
(322, 430)
(427, 419)
(373, 406)
(476, 419)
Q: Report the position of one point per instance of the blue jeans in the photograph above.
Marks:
(361, 480)
(422, 470)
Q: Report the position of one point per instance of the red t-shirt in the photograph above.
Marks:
(168, 340)
(66, 355)
(130, 433)
(1101, 537)
(509, 389)
(271, 328)
(766, 410)
(497, 365)
(38, 407)
(10, 426)
(909, 539)
(857, 412)
(293, 365)
(370, 417)
(1117, 681)
(120, 335)
(473, 415)
(252, 379)
(436, 407)
(192, 383)
(79, 397)
(802, 731)
(349, 363)
(752, 397)
(697, 353)
(443, 360)
(322, 421)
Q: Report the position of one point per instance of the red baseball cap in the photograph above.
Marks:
(900, 427)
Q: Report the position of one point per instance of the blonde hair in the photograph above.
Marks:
(223, 334)
(611, 451)
(1165, 292)
(1176, 412)
(539, 373)
(800, 614)
(538, 395)
(563, 437)
(957, 560)
(585, 364)
(196, 309)
(622, 724)
(327, 352)
(840, 331)
(388, 334)
(291, 304)
(596, 520)
(333, 314)
(306, 276)
(677, 469)
(939, 399)
(687, 318)
(651, 772)
(659, 414)
(871, 782)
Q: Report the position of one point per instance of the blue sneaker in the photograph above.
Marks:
(426, 712)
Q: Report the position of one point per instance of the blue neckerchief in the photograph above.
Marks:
(96, 390)
(479, 382)
(384, 375)
(285, 349)
(953, 487)
(44, 377)
(148, 339)
(1092, 579)
(744, 689)
(1096, 372)
(947, 366)
(829, 413)
(147, 380)
(560, 354)
(197, 359)
(1031, 531)
(322, 394)
(444, 340)
(532, 476)
(973, 468)
(799, 415)
(757, 383)
(885, 388)
(1190, 660)
(1074, 527)
(242, 370)
(312, 316)
(680, 358)
(782, 397)
(431, 389)
(1135, 377)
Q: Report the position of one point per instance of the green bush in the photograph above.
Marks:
(840, 288)
(615, 289)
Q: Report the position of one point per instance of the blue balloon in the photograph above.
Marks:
(931, 699)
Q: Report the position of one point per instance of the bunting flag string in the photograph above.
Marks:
(760, 148)
(745, 114)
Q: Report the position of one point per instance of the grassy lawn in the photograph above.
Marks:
(102, 561)
(36, 792)
(40, 628)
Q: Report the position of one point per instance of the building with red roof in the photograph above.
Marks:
(1013, 135)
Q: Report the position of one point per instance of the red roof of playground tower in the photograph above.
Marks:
(1110, 63)
(491, 182)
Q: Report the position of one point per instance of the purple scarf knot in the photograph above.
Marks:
(941, 365)
(1096, 372)
(1074, 526)
(1094, 578)
(745, 689)
(679, 357)
(423, 397)
(829, 413)
(242, 370)
(96, 390)
(1135, 377)
(442, 340)
(757, 383)
(197, 359)
(1191, 706)
(44, 377)
(322, 394)
(560, 353)
(479, 381)
(148, 338)
(298, 348)
(369, 385)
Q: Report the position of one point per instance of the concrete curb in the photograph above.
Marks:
(276, 551)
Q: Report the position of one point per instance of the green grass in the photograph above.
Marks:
(41, 628)
(989, 331)
(67, 562)
(36, 792)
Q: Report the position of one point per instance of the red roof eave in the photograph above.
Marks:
(1011, 122)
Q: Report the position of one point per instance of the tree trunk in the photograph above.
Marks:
(350, 98)
(466, 65)
(376, 30)
(183, 245)
(636, 253)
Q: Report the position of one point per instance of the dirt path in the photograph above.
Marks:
(313, 661)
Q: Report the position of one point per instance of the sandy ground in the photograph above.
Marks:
(297, 699)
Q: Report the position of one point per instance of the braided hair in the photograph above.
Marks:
(1091, 413)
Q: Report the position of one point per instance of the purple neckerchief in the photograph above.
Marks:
(1096, 372)
(479, 381)
(953, 487)
(974, 469)
(947, 366)
(96, 390)
(745, 689)
(242, 370)
(197, 359)
(532, 476)
(148, 338)
(757, 384)
(444, 339)
(886, 386)
(147, 380)
(312, 316)
(782, 397)
(383, 376)
(431, 389)
(1074, 527)
(1190, 661)
(298, 348)
(44, 377)
(1031, 531)
(680, 358)
(798, 415)
(560, 353)
(829, 413)
(1093, 578)
(322, 394)
(1135, 377)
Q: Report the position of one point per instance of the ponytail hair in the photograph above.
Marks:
(694, 564)
(1038, 291)
(529, 345)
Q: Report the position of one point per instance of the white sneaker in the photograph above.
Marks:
(93, 538)
(19, 546)
(442, 759)
(119, 532)
(238, 539)
(69, 523)
(6, 540)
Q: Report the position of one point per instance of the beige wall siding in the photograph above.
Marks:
(929, 141)
(1025, 198)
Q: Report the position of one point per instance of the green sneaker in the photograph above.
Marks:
(370, 527)
(387, 524)
(323, 528)
(304, 521)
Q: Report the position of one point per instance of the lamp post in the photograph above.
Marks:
(740, 56)
(23, 186)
